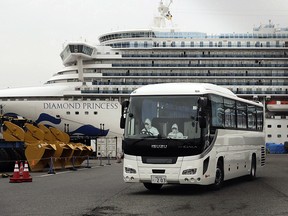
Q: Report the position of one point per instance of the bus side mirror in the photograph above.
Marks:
(202, 102)
(125, 105)
(122, 122)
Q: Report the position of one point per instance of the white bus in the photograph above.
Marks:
(190, 133)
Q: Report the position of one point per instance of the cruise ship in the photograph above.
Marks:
(84, 97)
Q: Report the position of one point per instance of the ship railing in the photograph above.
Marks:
(201, 65)
(205, 55)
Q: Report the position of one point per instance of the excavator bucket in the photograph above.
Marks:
(85, 152)
(63, 154)
(60, 135)
(39, 154)
(77, 160)
(65, 151)
(33, 133)
(12, 132)
(80, 152)
(48, 136)
(42, 144)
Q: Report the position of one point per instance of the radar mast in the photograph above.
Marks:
(164, 15)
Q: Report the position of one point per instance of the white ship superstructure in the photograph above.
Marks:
(252, 65)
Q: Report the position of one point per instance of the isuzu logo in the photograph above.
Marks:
(159, 146)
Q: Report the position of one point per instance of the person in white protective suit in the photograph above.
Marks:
(175, 133)
(149, 129)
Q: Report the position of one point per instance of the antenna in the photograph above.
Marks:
(164, 14)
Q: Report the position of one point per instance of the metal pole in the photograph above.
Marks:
(51, 169)
(87, 164)
(109, 158)
(73, 164)
(101, 160)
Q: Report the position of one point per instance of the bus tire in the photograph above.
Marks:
(153, 187)
(252, 174)
(219, 176)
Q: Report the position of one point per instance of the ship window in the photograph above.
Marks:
(278, 126)
(269, 126)
(86, 112)
(278, 135)
(67, 113)
(269, 136)
(76, 113)
(95, 113)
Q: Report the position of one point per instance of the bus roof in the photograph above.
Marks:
(182, 89)
(188, 89)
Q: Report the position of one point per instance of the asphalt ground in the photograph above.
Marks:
(100, 190)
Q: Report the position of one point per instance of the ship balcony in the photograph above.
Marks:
(206, 55)
(256, 65)
(127, 89)
(198, 74)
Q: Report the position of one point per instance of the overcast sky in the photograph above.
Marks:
(32, 32)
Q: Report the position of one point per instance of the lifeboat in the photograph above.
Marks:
(277, 106)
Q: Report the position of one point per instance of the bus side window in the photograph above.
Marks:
(217, 111)
(218, 118)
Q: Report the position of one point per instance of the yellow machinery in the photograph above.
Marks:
(42, 144)
(37, 152)
(64, 151)
(13, 132)
(80, 151)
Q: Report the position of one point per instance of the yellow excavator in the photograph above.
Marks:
(44, 146)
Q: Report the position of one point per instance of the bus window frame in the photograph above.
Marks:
(215, 100)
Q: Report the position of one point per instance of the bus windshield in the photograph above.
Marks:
(165, 117)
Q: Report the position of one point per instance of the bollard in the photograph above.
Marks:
(73, 164)
(51, 169)
(87, 164)
(101, 160)
(118, 158)
(109, 159)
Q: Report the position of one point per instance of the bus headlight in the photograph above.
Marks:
(189, 171)
(130, 170)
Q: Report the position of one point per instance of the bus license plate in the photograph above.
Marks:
(158, 180)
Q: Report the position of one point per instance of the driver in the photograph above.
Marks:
(149, 129)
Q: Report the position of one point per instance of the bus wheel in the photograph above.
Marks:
(252, 175)
(151, 186)
(219, 176)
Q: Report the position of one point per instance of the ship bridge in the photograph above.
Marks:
(73, 51)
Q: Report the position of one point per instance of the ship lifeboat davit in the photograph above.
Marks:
(277, 106)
